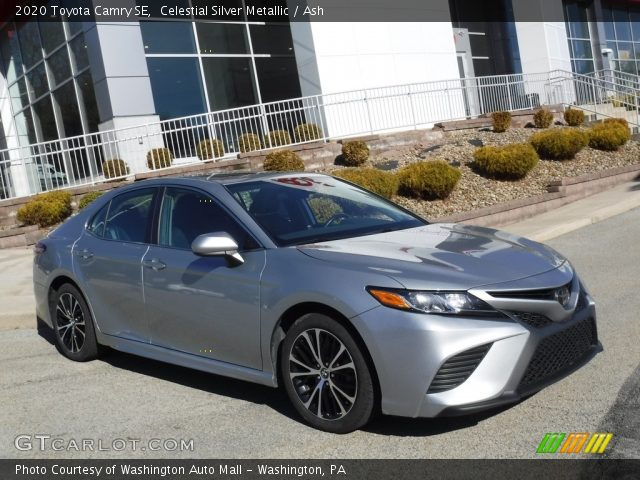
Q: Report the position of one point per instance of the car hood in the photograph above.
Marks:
(441, 256)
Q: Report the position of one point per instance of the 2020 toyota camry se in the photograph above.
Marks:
(303, 280)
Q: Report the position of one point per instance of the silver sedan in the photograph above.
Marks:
(345, 299)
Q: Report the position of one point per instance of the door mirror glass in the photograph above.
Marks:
(215, 245)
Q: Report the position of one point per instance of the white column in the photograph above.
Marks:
(543, 45)
(123, 92)
(342, 56)
(20, 170)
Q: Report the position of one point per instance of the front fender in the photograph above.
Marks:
(291, 278)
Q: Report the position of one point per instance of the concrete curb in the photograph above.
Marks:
(570, 191)
(597, 216)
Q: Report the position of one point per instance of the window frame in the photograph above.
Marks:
(93, 217)
(155, 233)
(148, 231)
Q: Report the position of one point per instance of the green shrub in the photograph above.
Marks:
(88, 198)
(323, 208)
(307, 131)
(574, 118)
(543, 118)
(512, 161)
(159, 158)
(501, 121)
(559, 143)
(277, 138)
(619, 121)
(46, 209)
(608, 136)
(429, 180)
(208, 149)
(355, 153)
(56, 196)
(283, 161)
(115, 168)
(249, 142)
(377, 181)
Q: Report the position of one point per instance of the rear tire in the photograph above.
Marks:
(326, 376)
(73, 325)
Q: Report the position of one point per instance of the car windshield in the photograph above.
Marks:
(299, 209)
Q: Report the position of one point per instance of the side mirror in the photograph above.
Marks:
(218, 244)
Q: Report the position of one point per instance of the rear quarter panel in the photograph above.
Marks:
(57, 260)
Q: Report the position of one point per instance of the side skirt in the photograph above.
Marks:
(187, 360)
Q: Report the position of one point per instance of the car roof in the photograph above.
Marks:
(236, 177)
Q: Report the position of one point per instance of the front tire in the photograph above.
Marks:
(73, 325)
(326, 376)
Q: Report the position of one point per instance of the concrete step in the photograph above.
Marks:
(603, 111)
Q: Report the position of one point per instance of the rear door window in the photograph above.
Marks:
(129, 216)
(96, 225)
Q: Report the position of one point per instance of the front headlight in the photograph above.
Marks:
(431, 302)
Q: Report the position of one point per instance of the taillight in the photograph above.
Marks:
(39, 248)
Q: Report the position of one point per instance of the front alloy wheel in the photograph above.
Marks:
(326, 375)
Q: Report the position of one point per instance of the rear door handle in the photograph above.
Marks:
(155, 264)
(84, 254)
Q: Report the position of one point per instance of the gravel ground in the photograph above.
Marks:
(473, 191)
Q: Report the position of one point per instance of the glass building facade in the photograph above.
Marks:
(64, 80)
(194, 67)
(201, 66)
(48, 77)
(611, 24)
(622, 33)
(578, 17)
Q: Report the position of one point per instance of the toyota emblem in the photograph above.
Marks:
(562, 295)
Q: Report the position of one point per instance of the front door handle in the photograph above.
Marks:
(84, 254)
(155, 264)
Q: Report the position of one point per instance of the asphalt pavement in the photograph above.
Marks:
(122, 399)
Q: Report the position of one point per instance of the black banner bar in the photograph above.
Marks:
(311, 469)
(464, 11)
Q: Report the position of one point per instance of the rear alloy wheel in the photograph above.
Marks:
(73, 325)
(326, 376)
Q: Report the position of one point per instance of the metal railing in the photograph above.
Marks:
(622, 79)
(603, 94)
(81, 160)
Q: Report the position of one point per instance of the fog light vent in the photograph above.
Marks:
(455, 371)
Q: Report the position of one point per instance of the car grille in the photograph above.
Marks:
(544, 294)
(538, 320)
(560, 352)
(457, 369)
(533, 319)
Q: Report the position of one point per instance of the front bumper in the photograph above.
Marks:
(408, 350)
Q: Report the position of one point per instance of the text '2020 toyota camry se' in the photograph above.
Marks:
(307, 281)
